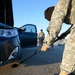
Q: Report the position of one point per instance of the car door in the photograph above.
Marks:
(28, 35)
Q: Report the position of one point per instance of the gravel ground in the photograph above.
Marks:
(43, 63)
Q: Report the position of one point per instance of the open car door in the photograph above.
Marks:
(28, 35)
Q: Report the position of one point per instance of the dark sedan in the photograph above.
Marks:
(12, 38)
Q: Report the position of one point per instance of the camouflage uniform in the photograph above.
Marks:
(41, 37)
(65, 9)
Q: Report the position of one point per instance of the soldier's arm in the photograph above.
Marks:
(57, 18)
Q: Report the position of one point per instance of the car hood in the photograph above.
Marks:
(6, 12)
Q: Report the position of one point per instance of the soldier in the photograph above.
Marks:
(64, 10)
(41, 37)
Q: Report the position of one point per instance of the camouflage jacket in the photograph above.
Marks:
(64, 10)
(41, 34)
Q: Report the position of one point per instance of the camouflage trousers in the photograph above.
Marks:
(68, 59)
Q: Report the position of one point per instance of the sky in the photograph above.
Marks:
(32, 12)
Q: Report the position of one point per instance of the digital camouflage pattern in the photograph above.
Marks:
(68, 61)
(64, 9)
(57, 20)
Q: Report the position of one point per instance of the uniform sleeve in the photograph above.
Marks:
(57, 18)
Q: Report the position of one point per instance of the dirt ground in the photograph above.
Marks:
(43, 63)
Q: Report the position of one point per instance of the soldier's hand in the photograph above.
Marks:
(44, 48)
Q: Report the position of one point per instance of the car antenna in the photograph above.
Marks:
(16, 65)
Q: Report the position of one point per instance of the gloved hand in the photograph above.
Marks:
(44, 48)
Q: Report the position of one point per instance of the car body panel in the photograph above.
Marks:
(7, 45)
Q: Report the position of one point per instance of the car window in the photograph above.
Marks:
(30, 28)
